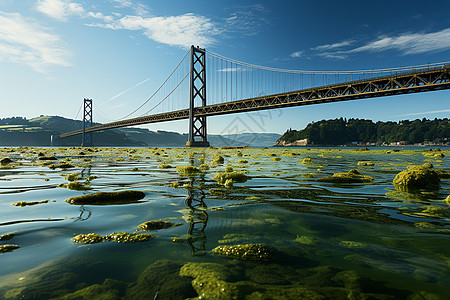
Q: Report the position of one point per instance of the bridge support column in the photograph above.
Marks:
(197, 124)
(87, 122)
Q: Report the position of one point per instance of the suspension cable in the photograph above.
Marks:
(324, 72)
(157, 89)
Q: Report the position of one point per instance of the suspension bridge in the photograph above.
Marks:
(235, 86)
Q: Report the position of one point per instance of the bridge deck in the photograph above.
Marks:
(424, 80)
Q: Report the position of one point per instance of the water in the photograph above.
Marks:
(332, 241)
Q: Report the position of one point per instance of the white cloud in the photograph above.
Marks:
(123, 3)
(410, 43)
(183, 30)
(332, 46)
(406, 44)
(297, 54)
(30, 44)
(59, 9)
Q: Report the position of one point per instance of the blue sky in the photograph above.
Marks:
(54, 53)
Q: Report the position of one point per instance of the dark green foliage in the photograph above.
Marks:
(341, 131)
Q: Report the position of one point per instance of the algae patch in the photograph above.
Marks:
(30, 203)
(120, 237)
(107, 198)
(259, 252)
(352, 176)
(417, 177)
(8, 248)
(155, 225)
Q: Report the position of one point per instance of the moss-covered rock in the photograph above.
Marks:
(110, 290)
(120, 237)
(8, 248)
(218, 159)
(228, 178)
(165, 166)
(75, 186)
(155, 225)
(107, 198)
(5, 161)
(352, 176)
(188, 170)
(417, 177)
(259, 252)
(306, 161)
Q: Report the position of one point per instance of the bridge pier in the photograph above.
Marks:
(197, 124)
(86, 139)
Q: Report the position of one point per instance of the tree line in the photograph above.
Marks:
(342, 131)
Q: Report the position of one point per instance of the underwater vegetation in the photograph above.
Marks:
(120, 237)
(188, 170)
(30, 203)
(260, 252)
(155, 225)
(107, 198)
(229, 178)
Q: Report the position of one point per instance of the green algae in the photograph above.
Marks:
(8, 248)
(306, 240)
(365, 163)
(417, 177)
(165, 166)
(72, 177)
(107, 198)
(188, 170)
(229, 178)
(120, 237)
(75, 186)
(204, 167)
(30, 203)
(259, 252)
(352, 176)
(218, 159)
(155, 225)
(6, 237)
(352, 245)
(306, 161)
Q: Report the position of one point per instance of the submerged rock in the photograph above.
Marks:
(417, 177)
(107, 198)
(261, 252)
(352, 176)
(120, 237)
(155, 225)
(110, 289)
(8, 248)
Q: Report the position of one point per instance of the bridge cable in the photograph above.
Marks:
(157, 89)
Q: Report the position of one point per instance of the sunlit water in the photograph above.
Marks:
(332, 241)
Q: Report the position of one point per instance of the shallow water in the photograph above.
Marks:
(332, 241)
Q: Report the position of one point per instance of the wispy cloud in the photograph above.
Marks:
(406, 44)
(24, 42)
(59, 9)
(297, 54)
(332, 46)
(425, 113)
(246, 19)
(183, 30)
(125, 91)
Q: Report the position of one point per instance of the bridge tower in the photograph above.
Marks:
(87, 122)
(197, 124)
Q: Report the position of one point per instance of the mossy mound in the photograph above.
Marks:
(352, 176)
(8, 248)
(259, 252)
(30, 203)
(447, 200)
(62, 165)
(107, 198)
(120, 237)
(417, 177)
(442, 173)
(306, 161)
(110, 289)
(188, 170)
(75, 186)
(72, 177)
(155, 225)
(218, 159)
(6, 160)
(229, 178)
(43, 157)
(204, 167)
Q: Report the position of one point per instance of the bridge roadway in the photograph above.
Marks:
(423, 80)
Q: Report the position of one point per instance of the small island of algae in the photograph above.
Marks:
(107, 198)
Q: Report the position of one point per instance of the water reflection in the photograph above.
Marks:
(198, 219)
(85, 214)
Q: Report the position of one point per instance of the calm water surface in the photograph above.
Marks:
(332, 241)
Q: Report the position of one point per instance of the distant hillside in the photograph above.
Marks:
(360, 131)
(19, 131)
